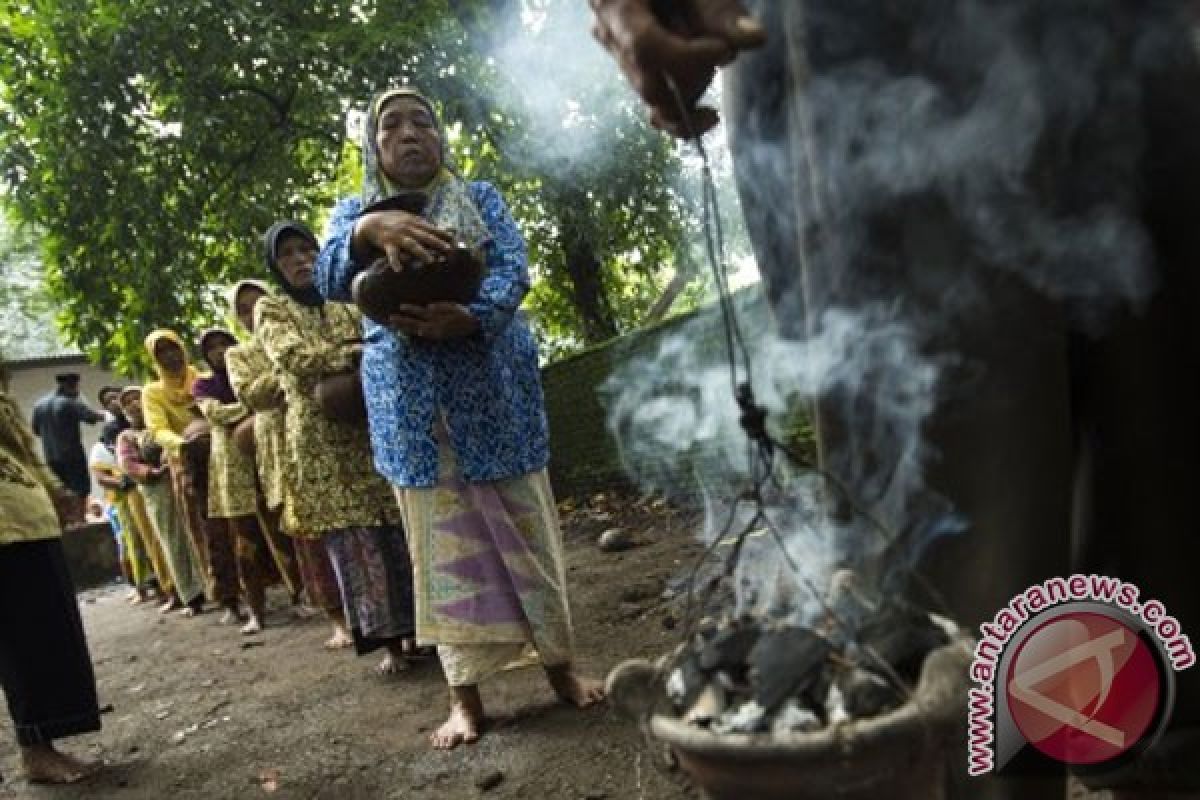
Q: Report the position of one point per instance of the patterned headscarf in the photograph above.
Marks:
(450, 205)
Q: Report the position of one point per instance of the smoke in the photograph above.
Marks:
(573, 106)
(674, 415)
(1021, 120)
(949, 147)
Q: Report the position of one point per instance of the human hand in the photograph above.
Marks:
(403, 238)
(69, 508)
(437, 321)
(686, 49)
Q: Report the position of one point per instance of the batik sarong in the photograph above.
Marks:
(375, 577)
(489, 579)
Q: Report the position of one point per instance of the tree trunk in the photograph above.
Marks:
(587, 286)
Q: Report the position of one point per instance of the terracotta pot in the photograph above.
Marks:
(340, 397)
(243, 436)
(900, 755)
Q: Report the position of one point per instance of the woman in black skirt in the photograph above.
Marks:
(45, 668)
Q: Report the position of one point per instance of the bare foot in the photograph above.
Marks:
(391, 665)
(232, 617)
(172, 604)
(461, 728)
(340, 640)
(253, 626)
(44, 764)
(395, 661)
(579, 692)
(303, 610)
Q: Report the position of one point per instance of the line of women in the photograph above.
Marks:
(454, 445)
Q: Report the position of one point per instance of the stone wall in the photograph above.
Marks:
(584, 457)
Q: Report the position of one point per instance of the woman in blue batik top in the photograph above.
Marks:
(457, 419)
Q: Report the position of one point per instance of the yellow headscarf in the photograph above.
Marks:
(177, 387)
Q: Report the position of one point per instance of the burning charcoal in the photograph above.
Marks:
(708, 706)
(835, 707)
(686, 681)
(792, 718)
(747, 718)
(735, 684)
(786, 662)
(865, 693)
(902, 636)
(676, 687)
(728, 648)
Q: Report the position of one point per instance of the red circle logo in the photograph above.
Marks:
(1084, 688)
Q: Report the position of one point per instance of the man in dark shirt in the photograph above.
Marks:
(56, 420)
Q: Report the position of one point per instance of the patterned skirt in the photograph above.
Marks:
(317, 575)
(375, 577)
(489, 578)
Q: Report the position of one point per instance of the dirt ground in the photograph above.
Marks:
(197, 713)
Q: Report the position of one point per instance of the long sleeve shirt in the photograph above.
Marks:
(331, 484)
(256, 383)
(485, 388)
(56, 420)
(232, 490)
(26, 509)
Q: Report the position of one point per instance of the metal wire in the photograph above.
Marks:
(762, 448)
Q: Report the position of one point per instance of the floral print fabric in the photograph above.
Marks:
(486, 386)
(332, 484)
(256, 383)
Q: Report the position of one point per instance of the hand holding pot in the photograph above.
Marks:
(437, 321)
(403, 237)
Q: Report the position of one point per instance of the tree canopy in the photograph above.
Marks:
(151, 143)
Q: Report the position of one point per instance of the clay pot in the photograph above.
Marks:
(243, 436)
(901, 755)
(379, 290)
(340, 397)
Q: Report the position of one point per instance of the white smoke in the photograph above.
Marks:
(571, 102)
(970, 144)
(674, 413)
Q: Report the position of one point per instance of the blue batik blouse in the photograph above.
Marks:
(486, 387)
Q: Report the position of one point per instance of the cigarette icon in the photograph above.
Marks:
(1101, 650)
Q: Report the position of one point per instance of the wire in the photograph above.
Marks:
(761, 447)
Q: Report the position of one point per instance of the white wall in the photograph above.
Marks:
(30, 381)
